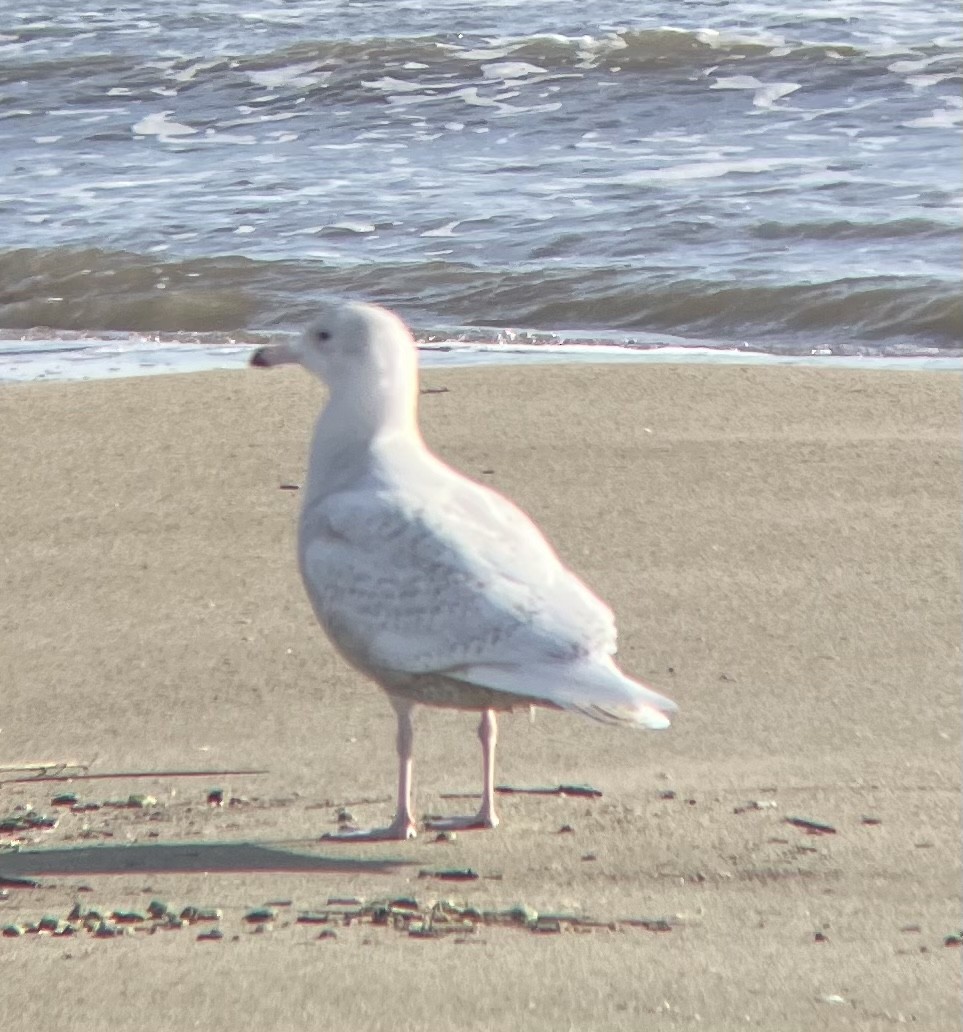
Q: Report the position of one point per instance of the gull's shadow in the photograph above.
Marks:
(186, 858)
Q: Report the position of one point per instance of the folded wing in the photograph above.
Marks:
(424, 582)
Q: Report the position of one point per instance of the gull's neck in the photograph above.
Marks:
(361, 414)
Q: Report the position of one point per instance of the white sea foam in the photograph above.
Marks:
(443, 231)
(765, 94)
(161, 126)
(941, 118)
(510, 70)
(296, 75)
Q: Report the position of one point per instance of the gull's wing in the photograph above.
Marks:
(432, 580)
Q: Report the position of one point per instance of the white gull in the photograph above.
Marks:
(438, 588)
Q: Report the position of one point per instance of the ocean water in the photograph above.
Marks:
(781, 179)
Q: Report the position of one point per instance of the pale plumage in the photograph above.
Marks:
(437, 587)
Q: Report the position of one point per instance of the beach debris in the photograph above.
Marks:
(566, 829)
(289, 487)
(588, 857)
(128, 916)
(521, 913)
(210, 935)
(650, 924)
(194, 915)
(575, 791)
(437, 919)
(9, 882)
(135, 801)
(450, 874)
(811, 827)
(956, 939)
(757, 804)
(667, 793)
(833, 998)
(80, 772)
(404, 903)
(312, 917)
(64, 799)
(547, 925)
(107, 930)
(872, 821)
(29, 820)
(40, 771)
(261, 915)
(434, 918)
(157, 908)
(215, 797)
(820, 937)
(50, 925)
(445, 836)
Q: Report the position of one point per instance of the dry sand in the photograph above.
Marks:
(782, 549)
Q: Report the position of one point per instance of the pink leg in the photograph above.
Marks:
(403, 821)
(402, 826)
(486, 816)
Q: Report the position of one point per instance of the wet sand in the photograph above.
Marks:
(781, 548)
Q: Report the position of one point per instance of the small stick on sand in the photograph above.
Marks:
(812, 827)
(114, 775)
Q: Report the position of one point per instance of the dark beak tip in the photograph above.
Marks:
(259, 359)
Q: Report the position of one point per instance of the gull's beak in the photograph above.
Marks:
(272, 355)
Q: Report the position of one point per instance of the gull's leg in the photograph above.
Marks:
(402, 826)
(486, 816)
(404, 823)
(488, 733)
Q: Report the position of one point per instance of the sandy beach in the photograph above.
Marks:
(782, 550)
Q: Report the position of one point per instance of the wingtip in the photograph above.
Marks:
(644, 717)
(651, 719)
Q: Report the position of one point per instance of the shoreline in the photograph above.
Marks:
(48, 360)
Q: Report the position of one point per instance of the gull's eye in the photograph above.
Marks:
(322, 335)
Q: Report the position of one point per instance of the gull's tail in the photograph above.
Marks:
(593, 686)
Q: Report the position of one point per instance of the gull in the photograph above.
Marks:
(436, 587)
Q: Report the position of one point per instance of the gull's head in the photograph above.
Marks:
(348, 342)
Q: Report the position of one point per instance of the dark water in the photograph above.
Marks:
(783, 175)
